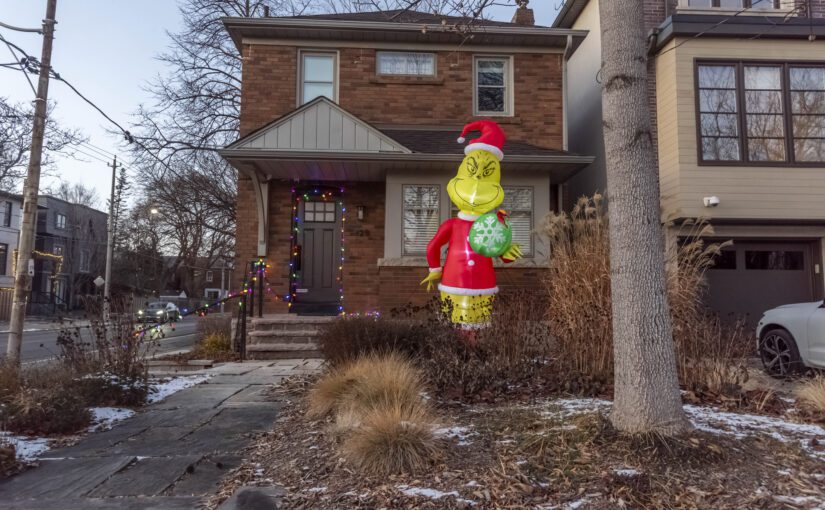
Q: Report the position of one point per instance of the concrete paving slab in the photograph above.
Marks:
(235, 368)
(153, 442)
(56, 479)
(182, 417)
(95, 444)
(252, 393)
(153, 503)
(200, 396)
(146, 477)
(206, 476)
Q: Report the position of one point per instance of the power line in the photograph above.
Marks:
(11, 47)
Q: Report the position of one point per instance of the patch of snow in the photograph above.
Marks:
(566, 407)
(784, 472)
(317, 489)
(521, 462)
(573, 505)
(818, 477)
(104, 417)
(432, 493)
(797, 501)
(26, 448)
(473, 483)
(626, 472)
(460, 433)
(159, 390)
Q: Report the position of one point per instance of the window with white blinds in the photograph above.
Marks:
(518, 202)
(398, 63)
(421, 217)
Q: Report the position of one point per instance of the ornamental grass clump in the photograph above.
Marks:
(812, 395)
(376, 406)
(710, 353)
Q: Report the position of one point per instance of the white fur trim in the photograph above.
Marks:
(435, 269)
(492, 149)
(461, 139)
(468, 217)
(458, 291)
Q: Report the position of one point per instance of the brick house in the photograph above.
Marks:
(348, 138)
(737, 94)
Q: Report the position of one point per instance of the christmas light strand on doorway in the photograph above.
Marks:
(325, 194)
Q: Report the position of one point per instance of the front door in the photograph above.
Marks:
(317, 285)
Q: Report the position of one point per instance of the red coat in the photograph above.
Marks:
(465, 271)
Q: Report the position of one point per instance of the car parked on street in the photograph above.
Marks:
(159, 311)
(791, 338)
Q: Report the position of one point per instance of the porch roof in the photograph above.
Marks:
(322, 141)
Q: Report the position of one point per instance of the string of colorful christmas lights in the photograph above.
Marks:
(319, 194)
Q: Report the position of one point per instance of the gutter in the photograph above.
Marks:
(394, 156)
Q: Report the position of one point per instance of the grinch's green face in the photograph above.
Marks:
(476, 188)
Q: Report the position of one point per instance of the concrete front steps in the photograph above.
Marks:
(284, 336)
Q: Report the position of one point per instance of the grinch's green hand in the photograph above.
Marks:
(513, 252)
(431, 279)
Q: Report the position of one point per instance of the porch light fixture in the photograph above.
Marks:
(359, 210)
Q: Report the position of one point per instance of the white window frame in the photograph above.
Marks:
(508, 86)
(209, 276)
(379, 53)
(58, 249)
(531, 252)
(437, 208)
(7, 212)
(60, 224)
(335, 75)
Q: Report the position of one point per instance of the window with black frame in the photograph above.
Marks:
(762, 113)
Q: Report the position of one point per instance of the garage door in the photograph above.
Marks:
(751, 277)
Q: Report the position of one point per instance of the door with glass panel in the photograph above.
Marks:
(319, 246)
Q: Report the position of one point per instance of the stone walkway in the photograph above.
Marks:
(170, 456)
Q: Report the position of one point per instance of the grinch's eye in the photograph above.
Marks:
(489, 169)
(472, 166)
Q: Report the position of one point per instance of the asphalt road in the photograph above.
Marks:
(42, 345)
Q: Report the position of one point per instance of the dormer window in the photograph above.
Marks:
(732, 5)
(405, 63)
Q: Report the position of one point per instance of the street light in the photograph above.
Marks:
(154, 211)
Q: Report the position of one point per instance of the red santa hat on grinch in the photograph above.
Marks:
(491, 140)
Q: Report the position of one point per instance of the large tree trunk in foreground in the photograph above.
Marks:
(647, 395)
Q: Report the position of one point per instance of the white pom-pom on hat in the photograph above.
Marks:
(461, 139)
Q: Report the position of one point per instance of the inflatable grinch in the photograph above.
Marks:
(477, 235)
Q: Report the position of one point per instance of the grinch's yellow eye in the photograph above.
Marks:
(489, 169)
(472, 166)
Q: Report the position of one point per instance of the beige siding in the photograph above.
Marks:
(745, 192)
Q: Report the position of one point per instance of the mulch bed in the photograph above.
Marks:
(511, 455)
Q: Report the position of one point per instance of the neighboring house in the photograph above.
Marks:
(737, 90)
(11, 206)
(71, 241)
(348, 139)
(204, 280)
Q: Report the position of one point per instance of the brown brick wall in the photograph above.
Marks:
(270, 88)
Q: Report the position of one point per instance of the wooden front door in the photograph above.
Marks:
(316, 285)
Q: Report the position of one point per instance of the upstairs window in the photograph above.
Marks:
(60, 221)
(5, 214)
(318, 72)
(209, 276)
(756, 5)
(492, 86)
(398, 63)
(421, 217)
(761, 113)
(85, 257)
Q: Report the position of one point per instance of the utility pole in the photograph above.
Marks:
(25, 264)
(223, 282)
(110, 248)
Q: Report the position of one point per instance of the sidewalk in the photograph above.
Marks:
(170, 456)
(44, 324)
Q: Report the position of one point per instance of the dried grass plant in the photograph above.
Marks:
(812, 394)
(393, 439)
(710, 353)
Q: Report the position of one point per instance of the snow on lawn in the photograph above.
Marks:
(104, 417)
(161, 390)
(27, 448)
(432, 493)
(712, 420)
(460, 433)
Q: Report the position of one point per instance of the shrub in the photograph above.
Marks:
(214, 344)
(109, 390)
(343, 341)
(710, 353)
(37, 411)
(367, 383)
(812, 395)
(215, 324)
(393, 439)
(9, 379)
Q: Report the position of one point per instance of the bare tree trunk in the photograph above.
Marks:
(647, 395)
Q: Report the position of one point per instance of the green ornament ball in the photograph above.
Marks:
(490, 236)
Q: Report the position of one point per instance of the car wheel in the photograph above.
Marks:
(779, 354)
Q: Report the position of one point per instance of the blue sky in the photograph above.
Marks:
(107, 50)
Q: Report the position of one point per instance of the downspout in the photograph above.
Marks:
(568, 50)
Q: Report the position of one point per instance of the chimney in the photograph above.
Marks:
(524, 15)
